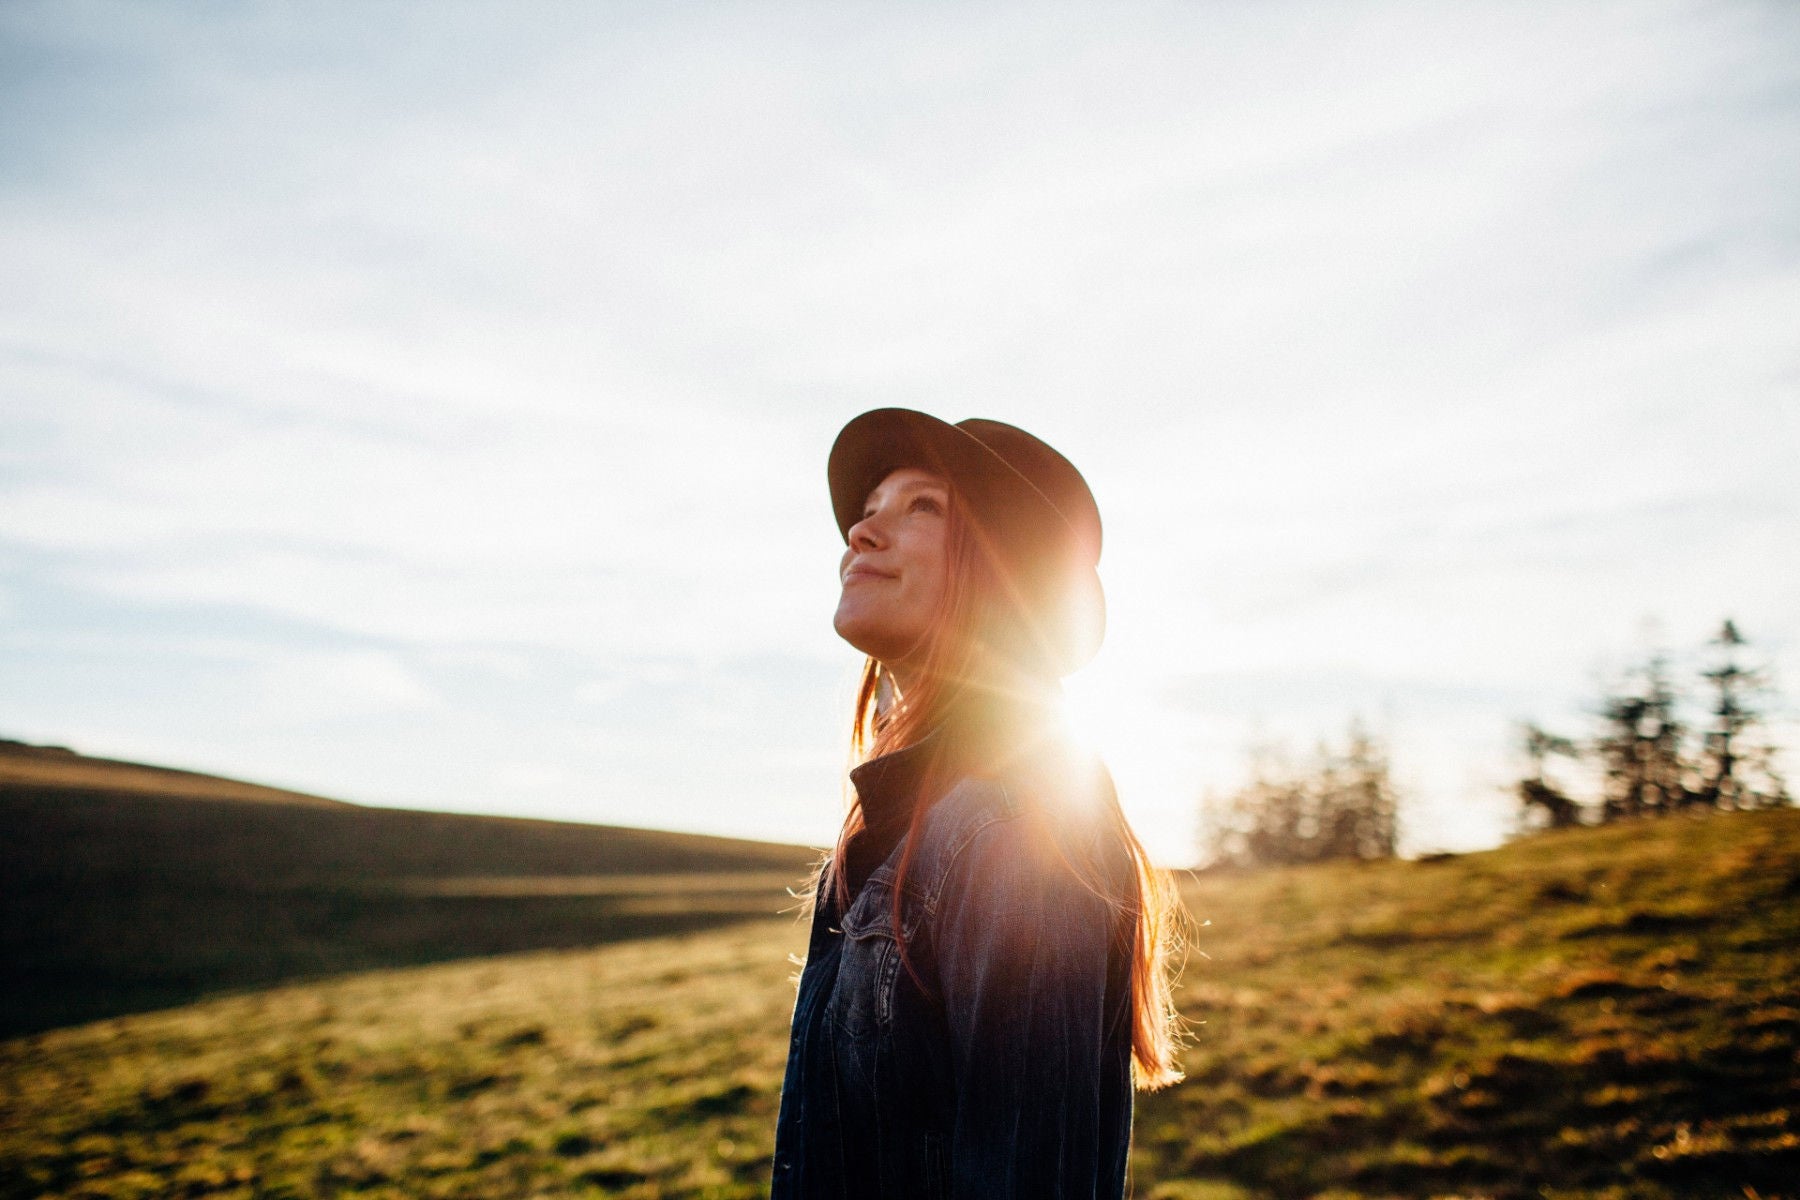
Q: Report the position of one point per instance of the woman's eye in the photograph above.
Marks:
(926, 504)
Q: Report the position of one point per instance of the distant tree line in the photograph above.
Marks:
(1341, 804)
(1647, 759)
(1644, 758)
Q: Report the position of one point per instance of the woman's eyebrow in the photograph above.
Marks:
(911, 485)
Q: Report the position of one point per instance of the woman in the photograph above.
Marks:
(985, 974)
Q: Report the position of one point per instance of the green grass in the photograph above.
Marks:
(1600, 1013)
(1593, 1013)
(649, 1068)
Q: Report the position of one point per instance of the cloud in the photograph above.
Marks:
(484, 369)
(337, 686)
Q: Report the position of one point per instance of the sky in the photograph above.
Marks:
(427, 404)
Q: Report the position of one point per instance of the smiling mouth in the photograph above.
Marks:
(860, 574)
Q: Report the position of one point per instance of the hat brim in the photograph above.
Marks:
(883, 440)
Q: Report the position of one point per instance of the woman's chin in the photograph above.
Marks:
(863, 641)
(872, 637)
(856, 625)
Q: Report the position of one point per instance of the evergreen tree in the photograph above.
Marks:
(1640, 749)
(1737, 772)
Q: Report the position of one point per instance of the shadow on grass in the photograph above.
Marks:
(119, 904)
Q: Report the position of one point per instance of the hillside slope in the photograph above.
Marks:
(119, 900)
(23, 765)
(1596, 1015)
(1594, 1012)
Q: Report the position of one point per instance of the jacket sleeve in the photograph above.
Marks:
(1023, 950)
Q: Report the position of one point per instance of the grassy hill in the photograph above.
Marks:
(126, 887)
(1595, 1013)
(1598, 1014)
(23, 765)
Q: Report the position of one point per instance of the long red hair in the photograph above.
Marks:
(990, 687)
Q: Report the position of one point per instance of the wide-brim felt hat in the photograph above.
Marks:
(1031, 507)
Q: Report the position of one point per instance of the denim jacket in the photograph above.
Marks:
(994, 1062)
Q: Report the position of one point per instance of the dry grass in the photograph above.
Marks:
(52, 768)
(1603, 1013)
(1600, 1014)
(645, 1069)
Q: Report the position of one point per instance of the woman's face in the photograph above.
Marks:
(895, 569)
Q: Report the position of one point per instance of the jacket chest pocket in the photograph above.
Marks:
(869, 970)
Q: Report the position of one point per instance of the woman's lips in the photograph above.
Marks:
(858, 574)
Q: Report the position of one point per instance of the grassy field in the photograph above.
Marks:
(1606, 1013)
(649, 1068)
(1596, 1013)
(126, 887)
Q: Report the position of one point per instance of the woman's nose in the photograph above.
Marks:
(868, 533)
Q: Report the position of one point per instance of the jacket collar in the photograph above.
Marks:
(888, 787)
(888, 790)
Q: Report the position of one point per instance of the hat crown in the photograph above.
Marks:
(1051, 475)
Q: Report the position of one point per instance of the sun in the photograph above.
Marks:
(1097, 708)
(1115, 710)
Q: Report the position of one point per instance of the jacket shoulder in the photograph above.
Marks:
(1034, 816)
(972, 806)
